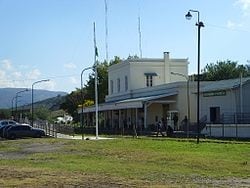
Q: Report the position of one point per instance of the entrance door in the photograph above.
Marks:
(215, 114)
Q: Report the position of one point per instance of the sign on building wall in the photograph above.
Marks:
(214, 93)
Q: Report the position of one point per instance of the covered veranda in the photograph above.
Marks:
(130, 115)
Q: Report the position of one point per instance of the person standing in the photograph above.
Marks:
(175, 119)
(160, 128)
(184, 123)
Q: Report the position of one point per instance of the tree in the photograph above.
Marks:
(71, 103)
(42, 113)
(133, 57)
(223, 70)
(5, 113)
(75, 99)
(102, 70)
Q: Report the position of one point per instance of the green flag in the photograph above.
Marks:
(96, 52)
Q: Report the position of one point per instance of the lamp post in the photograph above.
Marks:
(32, 99)
(96, 85)
(188, 99)
(83, 99)
(12, 107)
(199, 24)
(19, 96)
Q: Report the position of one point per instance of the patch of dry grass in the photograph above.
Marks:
(123, 163)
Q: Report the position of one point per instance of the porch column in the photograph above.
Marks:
(112, 121)
(104, 119)
(119, 119)
(136, 122)
(136, 118)
(145, 115)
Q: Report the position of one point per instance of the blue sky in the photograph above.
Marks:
(53, 39)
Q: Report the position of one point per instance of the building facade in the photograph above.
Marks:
(222, 100)
(227, 107)
(133, 74)
(144, 91)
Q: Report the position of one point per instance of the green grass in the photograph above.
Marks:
(129, 162)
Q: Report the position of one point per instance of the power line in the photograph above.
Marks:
(227, 28)
(49, 77)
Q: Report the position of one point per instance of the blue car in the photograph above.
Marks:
(21, 131)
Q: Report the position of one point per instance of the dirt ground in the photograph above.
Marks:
(30, 177)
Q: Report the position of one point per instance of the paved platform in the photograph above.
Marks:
(79, 137)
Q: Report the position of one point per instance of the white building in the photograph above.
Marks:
(138, 73)
(142, 91)
(226, 104)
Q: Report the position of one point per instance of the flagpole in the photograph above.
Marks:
(96, 89)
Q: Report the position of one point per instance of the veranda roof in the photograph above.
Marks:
(130, 103)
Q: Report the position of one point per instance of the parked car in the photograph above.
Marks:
(7, 122)
(21, 131)
(4, 123)
(3, 130)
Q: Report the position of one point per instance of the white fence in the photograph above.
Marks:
(50, 129)
(227, 130)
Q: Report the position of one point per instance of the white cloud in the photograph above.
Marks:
(241, 23)
(4, 82)
(23, 76)
(50, 85)
(234, 25)
(17, 75)
(23, 67)
(69, 66)
(2, 75)
(244, 5)
(20, 76)
(73, 80)
(34, 74)
(6, 64)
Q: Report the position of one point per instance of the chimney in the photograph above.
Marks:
(166, 67)
(166, 56)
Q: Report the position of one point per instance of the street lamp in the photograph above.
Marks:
(12, 102)
(96, 86)
(199, 24)
(12, 106)
(83, 99)
(19, 96)
(32, 99)
(188, 99)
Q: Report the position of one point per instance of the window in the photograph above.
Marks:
(126, 83)
(111, 87)
(149, 80)
(118, 85)
(215, 114)
(4, 123)
(12, 122)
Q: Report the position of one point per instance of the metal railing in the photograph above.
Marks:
(240, 118)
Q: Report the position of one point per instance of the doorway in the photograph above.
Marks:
(215, 114)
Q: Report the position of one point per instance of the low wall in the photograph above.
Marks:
(227, 130)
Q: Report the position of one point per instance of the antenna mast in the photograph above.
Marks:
(139, 32)
(106, 29)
